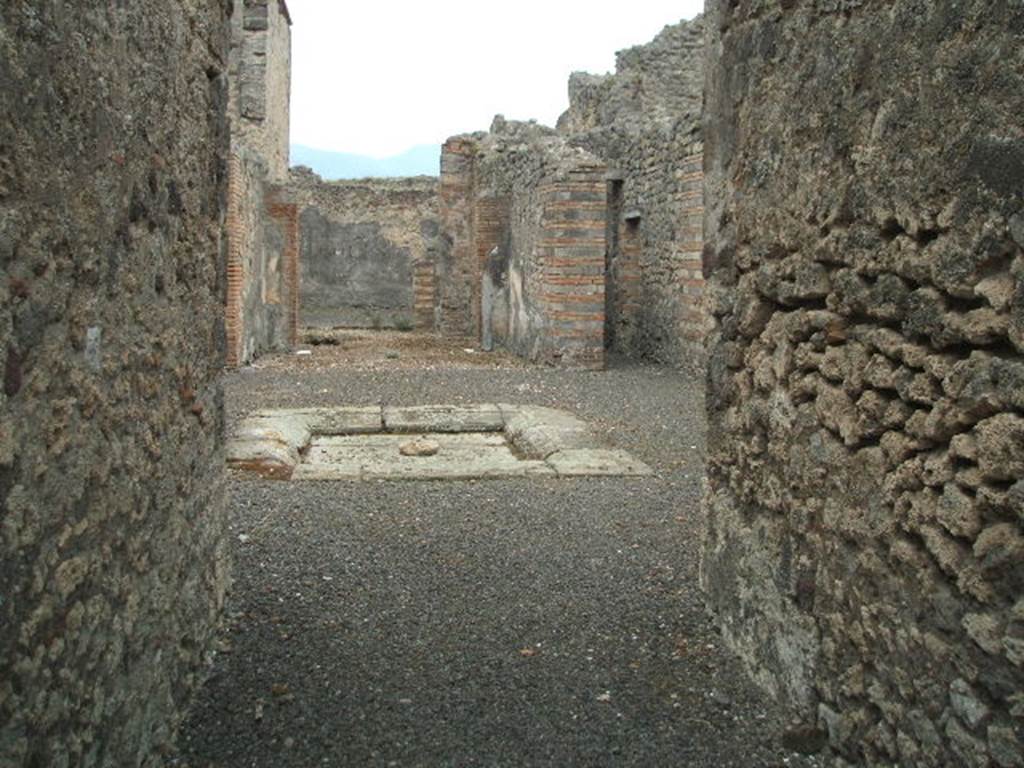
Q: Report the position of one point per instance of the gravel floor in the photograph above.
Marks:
(489, 623)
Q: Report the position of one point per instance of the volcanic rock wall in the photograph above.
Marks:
(522, 206)
(368, 250)
(864, 166)
(112, 562)
(644, 122)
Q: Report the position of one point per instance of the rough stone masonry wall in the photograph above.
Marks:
(864, 550)
(521, 193)
(644, 121)
(368, 250)
(261, 284)
(112, 561)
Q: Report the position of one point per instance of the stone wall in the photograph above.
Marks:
(644, 122)
(457, 274)
(261, 254)
(522, 206)
(368, 249)
(260, 77)
(659, 82)
(262, 263)
(283, 234)
(864, 550)
(113, 143)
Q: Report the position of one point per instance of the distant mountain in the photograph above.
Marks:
(422, 160)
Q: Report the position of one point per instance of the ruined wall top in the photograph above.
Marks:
(305, 178)
(517, 152)
(662, 80)
(282, 7)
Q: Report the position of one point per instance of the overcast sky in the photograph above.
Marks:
(379, 76)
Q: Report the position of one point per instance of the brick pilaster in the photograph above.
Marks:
(571, 250)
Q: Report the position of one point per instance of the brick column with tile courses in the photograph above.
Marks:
(694, 321)
(571, 253)
(490, 220)
(424, 294)
(455, 267)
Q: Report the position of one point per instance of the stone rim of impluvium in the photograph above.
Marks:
(272, 442)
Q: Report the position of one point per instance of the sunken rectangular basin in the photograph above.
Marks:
(429, 442)
(460, 456)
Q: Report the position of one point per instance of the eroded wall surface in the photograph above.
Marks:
(113, 144)
(368, 249)
(644, 122)
(864, 166)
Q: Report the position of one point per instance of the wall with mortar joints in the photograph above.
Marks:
(424, 288)
(864, 548)
(113, 564)
(654, 84)
(236, 234)
(368, 250)
(644, 121)
(257, 312)
(572, 241)
(534, 197)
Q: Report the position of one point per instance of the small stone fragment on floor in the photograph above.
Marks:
(419, 447)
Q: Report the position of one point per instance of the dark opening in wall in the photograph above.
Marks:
(614, 210)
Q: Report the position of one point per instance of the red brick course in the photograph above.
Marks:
(573, 282)
(240, 241)
(235, 230)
